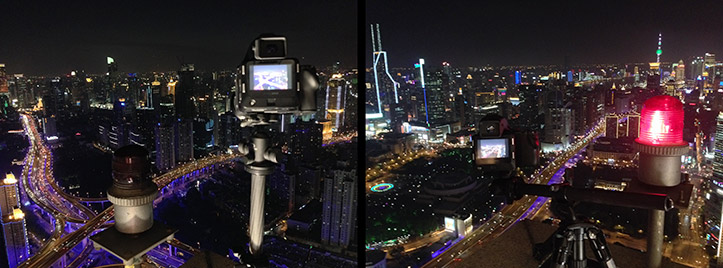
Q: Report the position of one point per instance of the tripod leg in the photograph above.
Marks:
(600, 247)
(564, 250)
(578, 248)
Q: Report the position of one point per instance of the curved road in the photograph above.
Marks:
(65, 243)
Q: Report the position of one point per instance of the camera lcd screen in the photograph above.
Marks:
(271, 77)
(492, 148)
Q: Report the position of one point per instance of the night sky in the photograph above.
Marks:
(54, 37)
(477, 33)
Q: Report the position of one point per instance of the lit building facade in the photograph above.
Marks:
(165, 153)
(714, 197)
(385, 88)
(339, 208)
(13, 222)
(3, 80)
(335, 101)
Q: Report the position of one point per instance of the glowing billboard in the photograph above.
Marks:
(449, 224)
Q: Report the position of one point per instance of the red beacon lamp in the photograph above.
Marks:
(660, 142)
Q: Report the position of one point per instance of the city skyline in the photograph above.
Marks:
(55, 38)
(406, 134)
(504, 33)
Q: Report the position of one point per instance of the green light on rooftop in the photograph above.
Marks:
(660, 51)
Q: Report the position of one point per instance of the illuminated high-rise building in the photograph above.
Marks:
(13, 222)
(112, 65)
(3, 80)
(112, 81)
(165, 149)
(229, 130)
(20, 90)
(709, 71)
(335, 100)
(558, 122)
(185, 107)
(436, 112)
(306, 140)
(696, 68)
(351, 101)
(636, 73)
(183, 137)
(385, 88)
(339, 208)
(680, 71)
(714, 197)
(155, 94)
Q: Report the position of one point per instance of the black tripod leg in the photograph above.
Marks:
(600, 247)
(562, 255)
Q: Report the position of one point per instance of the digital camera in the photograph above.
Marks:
(268, 82)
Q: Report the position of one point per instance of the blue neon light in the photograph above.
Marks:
(382, 187)
(421, 71)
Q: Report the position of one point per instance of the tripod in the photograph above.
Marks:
(570, 236)
(568, 242)
(262, 163)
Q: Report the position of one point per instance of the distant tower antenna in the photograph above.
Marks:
(379, 38)
(374, 44)
(660, 42)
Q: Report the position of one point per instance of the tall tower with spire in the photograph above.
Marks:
(384, 84)
(384, 96)
(659, 51)
(654, 79)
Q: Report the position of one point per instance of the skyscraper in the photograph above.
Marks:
(185, 108)
(335, 100)
(384, 85)
(21, 91)
(709, 71)
(3, 80)
(112, 88)
(558, 122)
(306, 140)
(351, 101)
(435, 98)
(185, 113)
(696, 68)
(714, 197)
(13, 222)
(184, 139)
(339, 209)
(165, 153)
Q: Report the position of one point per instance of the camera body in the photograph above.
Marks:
(498, 148)
(494, 144)
(269, 86)
(268, 82)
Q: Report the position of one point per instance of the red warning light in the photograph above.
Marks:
(661, 121)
